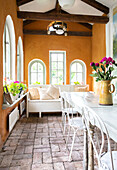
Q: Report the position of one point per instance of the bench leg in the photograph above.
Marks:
(40, 114)
(27, 114)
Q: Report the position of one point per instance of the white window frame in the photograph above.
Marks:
(5, 44)
(83, 68)
(29, 70)
(10, 25)
(64, 64)
(109, 36)
(109, 32)
(21, 60)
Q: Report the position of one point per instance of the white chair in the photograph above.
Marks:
(65, 108)
(106, 160)
(74, 123)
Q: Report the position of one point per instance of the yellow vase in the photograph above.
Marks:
(105, 97)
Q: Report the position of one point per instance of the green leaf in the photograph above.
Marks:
(103, 68)
(104, 62)
(111, 69)
(107, 65)
(94, 75)
(94, 67)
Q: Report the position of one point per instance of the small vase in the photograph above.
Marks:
(105, 96)
(14, 97)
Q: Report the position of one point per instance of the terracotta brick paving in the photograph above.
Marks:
(39, 144)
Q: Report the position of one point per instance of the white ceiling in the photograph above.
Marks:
(79, 7)
(108, 3)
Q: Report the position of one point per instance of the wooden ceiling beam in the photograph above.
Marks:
(87, 25)
(44, 32)
(62, 17)
(22, 2)
(97, 5)
(26, 22)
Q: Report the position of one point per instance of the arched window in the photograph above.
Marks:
(77, 72)
(8, 50)
(36, 72)
(20, 60)
(6, 53)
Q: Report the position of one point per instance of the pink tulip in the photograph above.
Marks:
(92, 64)
(97, 64)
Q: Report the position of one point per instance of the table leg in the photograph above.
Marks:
(85, 163)
(91, 154)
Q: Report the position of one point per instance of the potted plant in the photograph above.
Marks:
(76, 82)
(15, 88)
(103, 73)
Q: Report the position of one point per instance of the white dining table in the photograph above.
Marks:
(108, 114)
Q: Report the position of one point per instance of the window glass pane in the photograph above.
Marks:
(54, 73)
(79, 67)
(60, 65)
(54, 57)
(34, 67)
(40, 67)
(7, 53)
(33, 78)
(40, 78)
(79, 77)
(60, 57)
(54, 65)
(73, 67)
(73, 77)
(54, 81)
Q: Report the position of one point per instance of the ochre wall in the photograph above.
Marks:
(98, 48)
(7, 7)
(38, 46)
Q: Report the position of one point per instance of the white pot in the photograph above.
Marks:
(14, 97)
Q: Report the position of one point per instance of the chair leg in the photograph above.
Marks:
(64, 125)
(72, 145)
(40, 114)
(68, 134)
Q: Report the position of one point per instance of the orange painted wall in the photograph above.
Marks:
(37, 46)
(7, 7)
(98, 48)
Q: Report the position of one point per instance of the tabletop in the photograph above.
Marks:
(108, 114)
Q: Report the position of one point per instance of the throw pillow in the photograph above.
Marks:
(53, 91)
(44, 95)
(34, 94)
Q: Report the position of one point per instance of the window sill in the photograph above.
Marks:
(5, 106)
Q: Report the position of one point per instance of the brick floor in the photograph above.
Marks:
(39, 144)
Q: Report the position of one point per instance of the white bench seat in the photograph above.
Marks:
(44, 106)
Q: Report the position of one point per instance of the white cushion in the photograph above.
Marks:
(53, 91)
(44, 95)
(34, 94)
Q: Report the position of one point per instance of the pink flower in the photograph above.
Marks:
(92, 64)
(16, 81)
(113, 61)
(97, 64)
(104, 59)
(109, 59)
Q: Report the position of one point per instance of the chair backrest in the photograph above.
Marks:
(90, 118)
